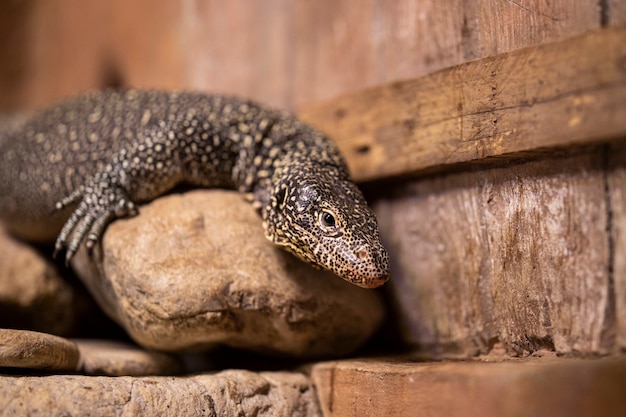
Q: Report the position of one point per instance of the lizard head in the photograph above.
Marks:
(325, 220)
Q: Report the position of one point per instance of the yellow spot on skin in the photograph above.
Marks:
(145, 118)
(95, 116)
(55, 157)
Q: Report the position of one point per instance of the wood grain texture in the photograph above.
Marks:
(616, 188)
(533, 387)
(616, 13)
(516, 257)
(434, 233)
(495, 26)
(560, 94)
(281, 52)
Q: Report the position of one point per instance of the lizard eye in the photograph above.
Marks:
(327, 219)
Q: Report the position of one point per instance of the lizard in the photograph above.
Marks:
(67, 171)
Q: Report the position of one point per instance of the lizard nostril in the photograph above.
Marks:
(362, 254)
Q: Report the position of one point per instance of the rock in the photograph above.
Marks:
(26, 349)
(228, 393)
(34, 350)
(195, 270)
(102, 357)
(32, 293)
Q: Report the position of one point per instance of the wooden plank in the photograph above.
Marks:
(342, 46)
(516, 257)
(545, 386)
(554, 95)
(438, 265)
(494, 26)
(616, 188)
(616, 12)
(548, 252)
(280, 52)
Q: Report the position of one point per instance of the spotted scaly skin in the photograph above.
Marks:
(94, 157)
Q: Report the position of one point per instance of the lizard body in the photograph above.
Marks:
(91, 158)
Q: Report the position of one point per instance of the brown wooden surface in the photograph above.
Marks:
(522, 256)
(616, 187)
(532, 387)
(616, 12)
(278, 51)
(458, 252)
(559, 94)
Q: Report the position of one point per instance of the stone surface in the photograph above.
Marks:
(545, 386)
(194, 270)
(228, 393)
(32, 293)
(520, 255)
(34, 350)
(101, 357)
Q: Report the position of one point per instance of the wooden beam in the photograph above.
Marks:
(528, 387)
(560, 94)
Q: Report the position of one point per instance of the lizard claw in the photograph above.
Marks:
(98, 207)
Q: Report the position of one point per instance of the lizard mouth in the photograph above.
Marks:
(370, 267)
(366, 281)
(367, 270)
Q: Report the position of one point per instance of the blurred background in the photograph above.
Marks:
(286, 53)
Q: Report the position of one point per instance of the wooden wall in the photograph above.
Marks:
(283, 52)
(510, 256)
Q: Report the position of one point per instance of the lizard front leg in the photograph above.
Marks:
(139, 173)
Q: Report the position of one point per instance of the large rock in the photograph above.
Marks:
(32, 293)
(195, 270)
(228, 393)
